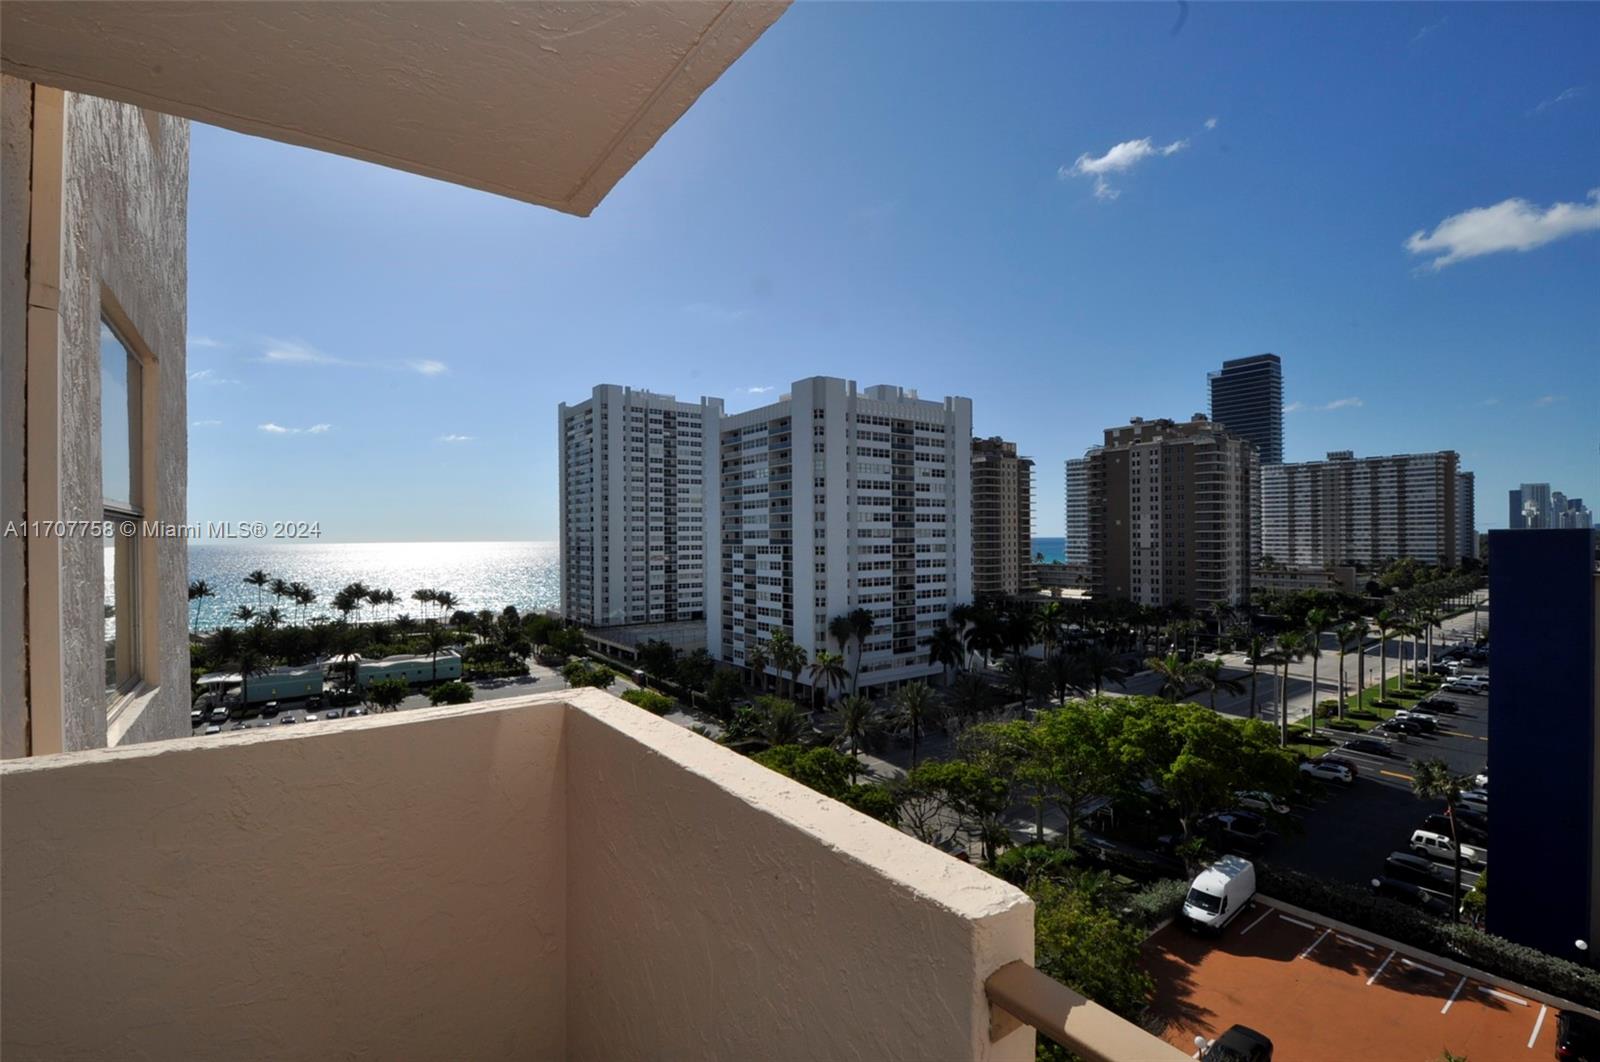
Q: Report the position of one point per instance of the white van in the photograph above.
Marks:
(1438, 846)
(1219, 892)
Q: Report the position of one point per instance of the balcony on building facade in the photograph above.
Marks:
(556, 876)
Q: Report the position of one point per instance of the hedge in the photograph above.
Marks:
(1496, 955)
(1155, 903)
(650, 701)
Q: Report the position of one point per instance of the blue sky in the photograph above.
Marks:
(935, 196)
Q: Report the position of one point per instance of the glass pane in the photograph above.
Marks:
(121, 608)
(120, 388)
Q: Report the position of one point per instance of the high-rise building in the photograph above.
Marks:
(1514, 513)
(1002, 518)
(834, 499)
(1076, 545)
(1535, 506)
(1466, 516)
(1169, 513)
(1544, 594)
(1247, 399)
(1362, 510)
(633, 524)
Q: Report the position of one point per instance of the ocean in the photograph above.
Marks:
(1053, 549)
(482, 575)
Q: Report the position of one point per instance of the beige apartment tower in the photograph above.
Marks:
(1169, 514)
(1002, 518)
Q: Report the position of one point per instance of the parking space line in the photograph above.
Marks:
(1296, 921)
(1446, 1008)
(1507, 996)
(1353, 941)
(1424, 969)
(1314, 943)
(1537, 1025)
(1380, 968)
(1264, 916)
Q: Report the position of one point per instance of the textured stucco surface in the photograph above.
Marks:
(16, 120)
(531, 879)
(551, 103)
(731, 913)
(126, 217)
(390, 888)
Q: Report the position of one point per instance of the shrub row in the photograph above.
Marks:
(1496, 955)
(650, 701)
(1155, 903)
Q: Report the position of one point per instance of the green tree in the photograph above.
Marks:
(1100, 665)
(975, 794)
(199, 590)
(862, 623)
(450, 693)
(1287, 648)
(826, 671)
(756, 659)
(723, 689)
(1210, 676)
(915, 701)
(1074, 746)
(1317, 621)
(694, 669)
(828, 772)
(1174, 674)
(386, 695)
(1385, 621)
(1257, 650)
(1432, 779)
(787, 657)
(779, 721)
(1086, 947)
(1350, 637)
(257, 579)
(436, 639)
(657, 659)
(859, 721)
(944, 649)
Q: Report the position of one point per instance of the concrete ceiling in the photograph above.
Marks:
(544, 102)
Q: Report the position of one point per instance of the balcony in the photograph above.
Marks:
(558, 876)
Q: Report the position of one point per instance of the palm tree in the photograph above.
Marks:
(1257, 650)
(199, 590)
(780, 722)
(435, 638)
(755, 658)
(1385, 621)
(278, 588)
(914, 700)
(273, 616)
(1100, 665)
(862, 623)
(826, 671)
(1350, 636)
(971, 695)
(303, 596)
(944, 649)
(445, 600)
(257, 579)
(1174, 675)
(1433, 780)
(248, 660)
(244, 613)
(842, 631)
(1052, 625)
(1211, 678)
(424, 597)
(787, 657)
(1289, 646)
(1313, 649)
(858, 720)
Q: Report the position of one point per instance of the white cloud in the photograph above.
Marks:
(203, 342)
(455, 438)
(205, 424)
(292, 352)
(278, 429)
(1561, 97)
(1548, 400)
(758, 390)
(210, 376)
(1509, 225)
(1490, 402)
(1345, 403)
(1431, 27)
(1294, 407)
(1337, 403)
(1211, 123)
(428, 367)
(1120, 159)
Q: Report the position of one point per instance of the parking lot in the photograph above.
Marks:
(1322, 995)
(1347, 834)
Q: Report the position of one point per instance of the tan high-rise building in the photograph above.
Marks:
(1002, 518)
(1169, 513)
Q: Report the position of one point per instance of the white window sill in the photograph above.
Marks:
(126, 710)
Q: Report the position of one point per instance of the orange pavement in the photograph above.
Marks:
(1323, 996)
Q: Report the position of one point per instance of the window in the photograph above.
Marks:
(121, 490)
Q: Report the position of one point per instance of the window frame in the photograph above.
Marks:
(137, 657)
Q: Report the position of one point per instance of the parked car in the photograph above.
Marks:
(1261, 801)
(1413, 895)
(1239, 1043)
(1439, 846)
(1483, 781)
(1577, 1037)
(1343, 761)
(1326, 771)
(214, 728)
(1129, 859)
(1418, 870)
(355, 711)
(287, 719)
(1219, 893)
(196, 717)
(240, 725)
(1476, 799)
(1437, 703)
(311, 717)
(1370, 746)
(1399, 726)
(219, 714)
(1471, 833)
(1463, 685)
(332, 713)
(1424, 719)
(269, 709)
(1244, 831)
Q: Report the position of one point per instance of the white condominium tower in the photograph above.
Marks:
(833, 499)
(1076, 546)
(1365, 511)
(633, 506)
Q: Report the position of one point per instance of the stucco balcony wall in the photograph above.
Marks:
(561, 876)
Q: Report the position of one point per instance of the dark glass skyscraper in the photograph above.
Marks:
(1247, 399)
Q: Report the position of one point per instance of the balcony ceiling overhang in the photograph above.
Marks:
(543, 102)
